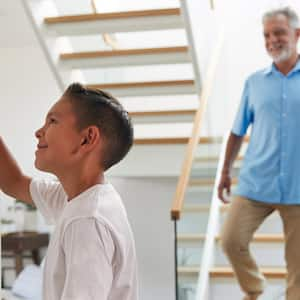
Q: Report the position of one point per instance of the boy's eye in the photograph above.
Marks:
(52, 120)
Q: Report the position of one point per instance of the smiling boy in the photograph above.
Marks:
(91, 254)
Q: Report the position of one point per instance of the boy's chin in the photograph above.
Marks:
(41, 167)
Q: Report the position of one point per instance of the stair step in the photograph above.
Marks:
(126, 57)
(268, 250)
(227, 272)
(271, 273)
(209, 165)
(188, 270)
(175, 87)
(170, 140)
(207, 181)
(163, 116)
(213, 159)
(142, 20)
(258, 238)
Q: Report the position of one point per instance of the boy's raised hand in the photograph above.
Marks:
(12, 181)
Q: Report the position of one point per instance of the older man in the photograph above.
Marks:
(270, 176)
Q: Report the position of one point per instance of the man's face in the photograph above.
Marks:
(280, 38)
(58, 140)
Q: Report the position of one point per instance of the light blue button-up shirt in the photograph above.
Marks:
(271, 168)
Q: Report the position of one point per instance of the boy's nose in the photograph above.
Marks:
(38, 133)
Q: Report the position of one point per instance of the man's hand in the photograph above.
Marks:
(225, 183)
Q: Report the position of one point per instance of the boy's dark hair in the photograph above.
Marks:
(99, 108)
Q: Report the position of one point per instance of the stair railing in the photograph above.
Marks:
(213, 225)
(191, 147)
(109, 39)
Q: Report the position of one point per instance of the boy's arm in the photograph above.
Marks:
(12, 181)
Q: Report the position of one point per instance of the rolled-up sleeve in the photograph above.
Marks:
(244, 116)
(88, 249)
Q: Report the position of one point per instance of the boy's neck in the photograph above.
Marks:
(75, 186)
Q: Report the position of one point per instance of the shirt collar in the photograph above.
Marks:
(272, 68)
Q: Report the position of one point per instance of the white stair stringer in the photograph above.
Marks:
(51, 46)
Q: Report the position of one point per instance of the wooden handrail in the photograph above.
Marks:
(194, 139)
(108, 39)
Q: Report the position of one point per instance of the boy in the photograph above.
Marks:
(91, 254)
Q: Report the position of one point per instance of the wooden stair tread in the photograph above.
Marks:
(188, 269)
(221, 272)
(258, 238)
(207, 181)
(196, 207)
(142, 84)
(213, 159)
(123, 52)
(268, 272)
(171, 140)
(114, 15)
(163, 113)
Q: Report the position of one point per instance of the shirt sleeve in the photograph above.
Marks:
(49, 198)
(244, 115)
(89, 251)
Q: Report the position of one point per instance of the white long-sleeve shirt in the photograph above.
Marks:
(91, 254)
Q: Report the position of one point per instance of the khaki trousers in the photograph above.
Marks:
(244, 217)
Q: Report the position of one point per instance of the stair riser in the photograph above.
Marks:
(163, 119)
(132, 60)
(198, 195)
(192, 223)
(265, 254)
(196, 223)
(116, 25)
(152, 91)
(271, 225)
(228, 289)
(167, 161)
(209, 171)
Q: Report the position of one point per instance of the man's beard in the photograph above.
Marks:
(284, 55)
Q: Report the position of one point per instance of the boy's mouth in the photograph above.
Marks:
(39, 146)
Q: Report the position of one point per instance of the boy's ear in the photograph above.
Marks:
(84, 141)
(91, 136)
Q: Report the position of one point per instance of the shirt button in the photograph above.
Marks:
(284, 96)
(284, 115)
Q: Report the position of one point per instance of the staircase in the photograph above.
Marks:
(267, 245)
(157, 83)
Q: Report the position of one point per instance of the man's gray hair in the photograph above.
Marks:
(290, 14)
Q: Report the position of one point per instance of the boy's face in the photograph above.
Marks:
(59, 140)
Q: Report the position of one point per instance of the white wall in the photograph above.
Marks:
(148, 203)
